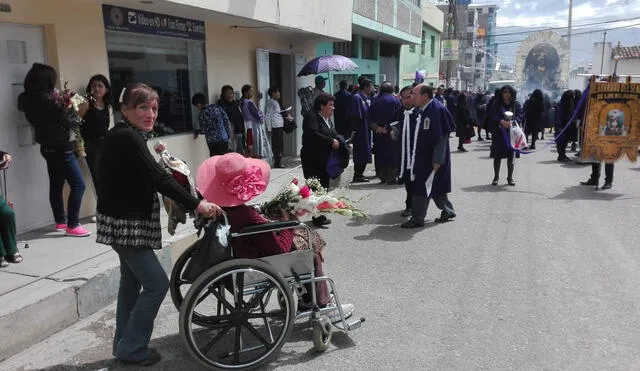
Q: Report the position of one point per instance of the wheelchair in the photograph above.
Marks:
(238, 314)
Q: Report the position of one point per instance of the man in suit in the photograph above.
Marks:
(319, 138)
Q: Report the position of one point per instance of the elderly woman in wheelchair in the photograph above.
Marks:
(270, 260)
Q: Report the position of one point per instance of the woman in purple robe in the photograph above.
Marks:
(384, 110)
(361, 133)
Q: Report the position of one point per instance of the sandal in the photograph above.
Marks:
(3, 262)
(15, 258)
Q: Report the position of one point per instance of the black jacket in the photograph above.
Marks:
(130, 175)
(317, 139)
(52, 125)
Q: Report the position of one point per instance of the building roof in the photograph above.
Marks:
(626, 52)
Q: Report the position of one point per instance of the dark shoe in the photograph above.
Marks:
(495, 181)
(392, 182)
(444, 217)
(480, 139)
(412, 223)
(511, 182)
(574, 147)
(606, 185)
(152, 358)
(564, 159)
(533, 146)
(320, 221)
(360, 180)
(461, 149)
(590, 182)
(15, 258)
(279, 167)
(406, 213)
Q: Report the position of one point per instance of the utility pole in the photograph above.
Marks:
(569, 33)
(604, 40)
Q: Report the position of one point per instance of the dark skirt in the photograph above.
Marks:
(499, 148)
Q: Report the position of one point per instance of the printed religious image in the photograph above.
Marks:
(615, 124)
(610, 129)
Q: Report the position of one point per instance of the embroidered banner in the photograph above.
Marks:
(611, 128)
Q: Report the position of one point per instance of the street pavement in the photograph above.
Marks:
(543, 275)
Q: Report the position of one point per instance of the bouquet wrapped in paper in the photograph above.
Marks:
(182, 174)
(70, 102)
(312, 199)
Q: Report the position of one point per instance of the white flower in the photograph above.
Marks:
(347, 212)
(293, 189)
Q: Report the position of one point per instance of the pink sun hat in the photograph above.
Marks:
(232, 179)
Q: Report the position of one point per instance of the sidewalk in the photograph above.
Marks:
(64, 279)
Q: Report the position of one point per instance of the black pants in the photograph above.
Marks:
(358, 170)
(277, 145)
(596, 170)
(315, 170)
(93, 148)
(496, 167)
(218, 148)
(420, 204)
(406, 179)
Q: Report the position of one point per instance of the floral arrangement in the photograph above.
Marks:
(70, 102)
(310, 198)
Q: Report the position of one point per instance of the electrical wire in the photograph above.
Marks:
(564, 27)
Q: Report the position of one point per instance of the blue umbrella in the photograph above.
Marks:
(327, 63)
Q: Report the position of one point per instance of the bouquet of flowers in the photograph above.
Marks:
(69, 101)
(310, 198)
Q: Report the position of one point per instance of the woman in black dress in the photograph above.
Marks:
(463, 125)
(96, 121)
(505, 101)
(533, 111)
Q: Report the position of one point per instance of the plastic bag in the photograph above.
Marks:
(213, 248)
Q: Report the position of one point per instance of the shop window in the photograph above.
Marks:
(369, 49)
(344, 48)
(423, 43)
(433, 46)
(174, 67)
(471, 19)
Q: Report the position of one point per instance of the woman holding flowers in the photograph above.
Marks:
(53, 118)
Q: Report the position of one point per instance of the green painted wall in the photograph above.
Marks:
(365, 66)
(411, 61)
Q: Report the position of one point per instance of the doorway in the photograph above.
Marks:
(278, 70)
(27, 179)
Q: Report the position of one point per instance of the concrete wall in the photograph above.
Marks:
(365, 66)
(397, 14)
(318, 17)
(410, 62)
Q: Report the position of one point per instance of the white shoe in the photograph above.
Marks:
(347, 310)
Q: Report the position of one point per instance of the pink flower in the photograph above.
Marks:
(294, 181)
(325, 206)
(305, 192)
(340, 205)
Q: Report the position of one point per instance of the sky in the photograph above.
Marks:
(589, 20)
(550, 13)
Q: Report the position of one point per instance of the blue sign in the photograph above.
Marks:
(117, 18)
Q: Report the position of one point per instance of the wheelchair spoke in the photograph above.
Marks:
(276, 314)
(237, 346)
(239, 283)
(257, 335)
(221, 299)
(257, 297)
(217, 338)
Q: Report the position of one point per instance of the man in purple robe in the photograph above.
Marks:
(383, 111)
(360, 131)
(425, 150)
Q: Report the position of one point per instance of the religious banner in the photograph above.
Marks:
(611, 128)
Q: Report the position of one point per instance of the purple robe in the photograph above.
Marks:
(435, 123)
(359, 113)
(384, 110)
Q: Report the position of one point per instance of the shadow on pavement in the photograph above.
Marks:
(484, 188)
(580, 192)
(388, 228)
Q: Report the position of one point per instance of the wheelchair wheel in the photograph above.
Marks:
(322, 331)
(242, 324)
(177, 285)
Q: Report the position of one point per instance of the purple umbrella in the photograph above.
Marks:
(327, 63)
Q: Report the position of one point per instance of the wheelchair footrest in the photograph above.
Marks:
(351, 325)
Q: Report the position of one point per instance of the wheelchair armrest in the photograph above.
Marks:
(268, 227)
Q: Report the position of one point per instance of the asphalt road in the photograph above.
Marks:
(543, 275)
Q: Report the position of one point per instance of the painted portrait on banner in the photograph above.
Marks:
(611, 128)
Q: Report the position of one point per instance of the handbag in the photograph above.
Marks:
(213, 248)
(290, 126)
